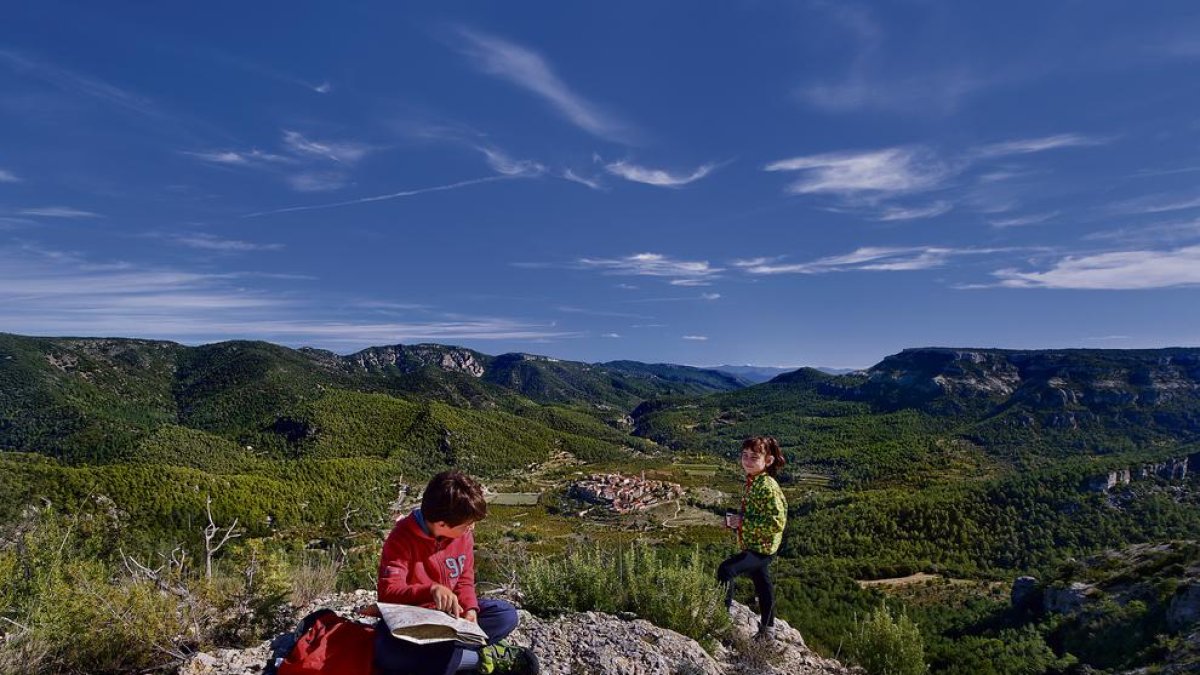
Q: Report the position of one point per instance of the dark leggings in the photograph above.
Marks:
(757, 566)
(497, 618)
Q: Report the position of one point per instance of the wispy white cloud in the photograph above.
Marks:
(58, 212)
(600, 312)
(342, 152)
(681, 272)
(611, 335)
(710, 296)
(77, 83)
(1154, 173)
(318, 181)
(1116, 270)
(8, 177)
(380, 198)
(576, 178)
(527, 69)
(1158, 233)
(867, 177)
(48, 292)
(1028, 146)
(1156, 204)
(915, 212)
(1021, 221)
(697, 338)
(754, 262)
(504, 165)
(210, 242)
(896, 170)
(7, 223)
(937, 92)
(306, 165)
(871, 80)
(657, 177)
(867, 258)
(247, 158)
(261, 69)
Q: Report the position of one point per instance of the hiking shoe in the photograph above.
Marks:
(505, 659)
(765, 634)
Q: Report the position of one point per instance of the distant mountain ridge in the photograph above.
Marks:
(96, 398)
(760, 374)
(1012, 402)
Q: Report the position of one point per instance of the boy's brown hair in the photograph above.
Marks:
(769, 447)
(454, 498)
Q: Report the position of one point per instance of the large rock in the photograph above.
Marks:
(1184, 608)
(1024, 594)
(600, 644)
(1067, 599)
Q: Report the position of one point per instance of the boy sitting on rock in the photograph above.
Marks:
(429, 561)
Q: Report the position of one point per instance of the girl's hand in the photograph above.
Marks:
(733, 522)
(471, 616)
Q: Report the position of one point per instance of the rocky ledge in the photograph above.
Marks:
(600, 644)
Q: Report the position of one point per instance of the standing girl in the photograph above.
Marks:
(759, 526)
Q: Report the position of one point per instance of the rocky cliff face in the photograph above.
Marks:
(598, 644)
(1047, 378)
(410, 358)
(1172, 469)
(1150, 390)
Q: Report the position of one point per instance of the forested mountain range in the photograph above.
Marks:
(1020, 407)
(95, 399)
(977, 463)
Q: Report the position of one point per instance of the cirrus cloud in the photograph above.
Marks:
(1115, 270)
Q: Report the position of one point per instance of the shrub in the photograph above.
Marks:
(68, 609)
(252, 600)
(679, 593)
(888, 645)
(316, 575)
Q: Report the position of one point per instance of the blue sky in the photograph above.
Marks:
(776, 183)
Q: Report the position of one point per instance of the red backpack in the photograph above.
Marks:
(324, 644)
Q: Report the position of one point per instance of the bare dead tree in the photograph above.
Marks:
(210, 533)
(172, 583)
(346, 519)
(404, 494)
(139, 571)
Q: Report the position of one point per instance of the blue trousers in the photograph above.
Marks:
(393, 656)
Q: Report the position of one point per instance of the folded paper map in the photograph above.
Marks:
(424, 626)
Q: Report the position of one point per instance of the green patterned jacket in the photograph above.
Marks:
(764, 515)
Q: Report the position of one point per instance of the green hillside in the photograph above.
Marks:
(971, 465)
(95, 400)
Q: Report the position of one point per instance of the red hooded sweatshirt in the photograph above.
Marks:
(413, 561)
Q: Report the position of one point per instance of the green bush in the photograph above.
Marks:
(679, 593)
(887, 645)
(71, 606)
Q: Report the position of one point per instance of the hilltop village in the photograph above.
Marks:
(624, 494)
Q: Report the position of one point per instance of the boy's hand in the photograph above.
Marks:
(471, 616)
(446, 601)
(733, 522)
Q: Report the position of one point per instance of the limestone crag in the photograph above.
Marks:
(1067, 599)
(591, 643)
(410, 358)
(1053, 381)
(1172, 469)
(1184, 607)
